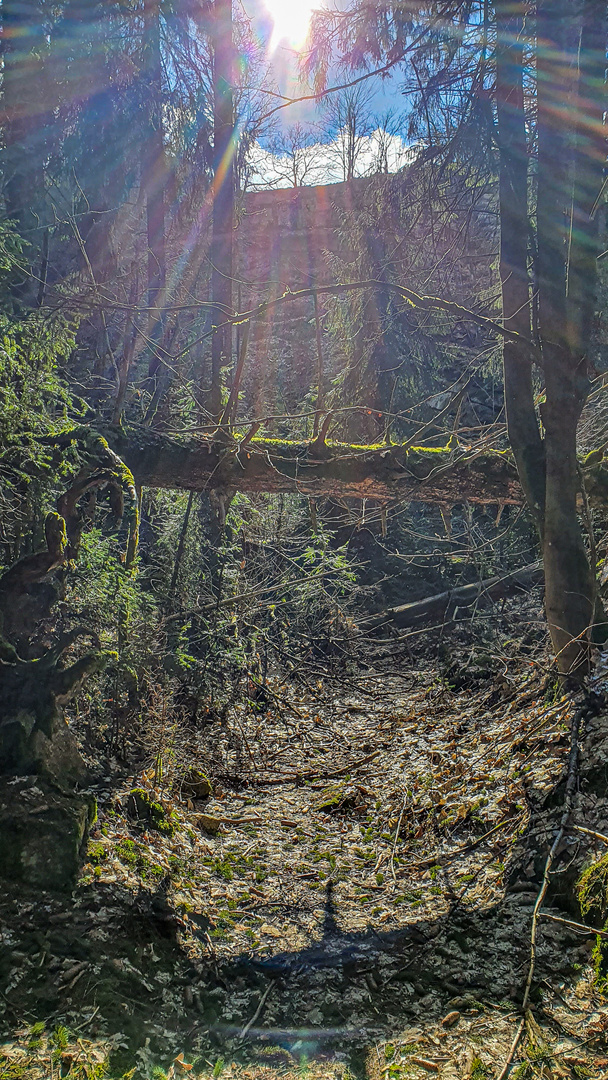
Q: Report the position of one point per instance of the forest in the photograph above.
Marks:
(303, 539)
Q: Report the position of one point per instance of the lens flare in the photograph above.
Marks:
(291, 19)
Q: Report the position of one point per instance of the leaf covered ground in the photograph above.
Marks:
(350, 899)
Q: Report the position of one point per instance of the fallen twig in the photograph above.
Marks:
(257, 1012)
(88, 1019)
(347, 768)
(568, 800)
(314, 774)
(575, 925)
(241, 820)
(443, 605)
(518, 1034)
(398, 830)
(282, 700)
(590, 832)
(568, 1004)
(443, 860)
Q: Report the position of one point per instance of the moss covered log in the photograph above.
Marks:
(386, 473)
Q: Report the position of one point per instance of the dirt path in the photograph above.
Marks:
(346, 906)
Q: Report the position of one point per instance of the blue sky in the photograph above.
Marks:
(282, 58)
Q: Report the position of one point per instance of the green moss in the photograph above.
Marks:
(136, 856)
(14, 1071)
(142, 806)
(177, 865)
(415, 454)
(60, 1037)
(224, 869)
(127, 851)
(479, 1071)
(96, 853)
(592, 889)
(195, 785)
(539, 1059)
(260, 439)
(337, 797)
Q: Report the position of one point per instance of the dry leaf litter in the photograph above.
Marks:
(335, 907)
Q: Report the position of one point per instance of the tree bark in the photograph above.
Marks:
(569, 580)
(128, 350)
(522, 423)
(223, 202)
(319, 374)
(179, 554)
(589, 162)
(568, 186)
(441, 477)
(154, 180)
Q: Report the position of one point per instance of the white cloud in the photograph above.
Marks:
(320, 163)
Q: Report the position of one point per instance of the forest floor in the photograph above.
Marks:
(340, 905)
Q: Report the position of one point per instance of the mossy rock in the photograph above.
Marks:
(42, 834)
(141, 805)
(195, 785)
(592, 889)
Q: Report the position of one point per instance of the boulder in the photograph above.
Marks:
(43, 833)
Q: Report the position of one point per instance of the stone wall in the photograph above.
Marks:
(285, 240)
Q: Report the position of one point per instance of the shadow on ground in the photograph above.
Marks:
(108, 963)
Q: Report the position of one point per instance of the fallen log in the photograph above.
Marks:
(442, 607)
(444, 477)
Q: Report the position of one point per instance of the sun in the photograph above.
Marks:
(291, 19)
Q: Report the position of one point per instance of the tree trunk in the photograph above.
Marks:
(568, 186)
(128, 349)
(40, 839)
(589, 162)
(223, 202)
(41, 843)
(181, 546)
(319, 404)
(335, 470)
(23, 123)
(569, 586)
(569, 580)
(522, 423)
(154, 180)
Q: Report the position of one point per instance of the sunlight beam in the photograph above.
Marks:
(291, 20)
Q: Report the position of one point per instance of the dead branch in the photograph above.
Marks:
(444, 605)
